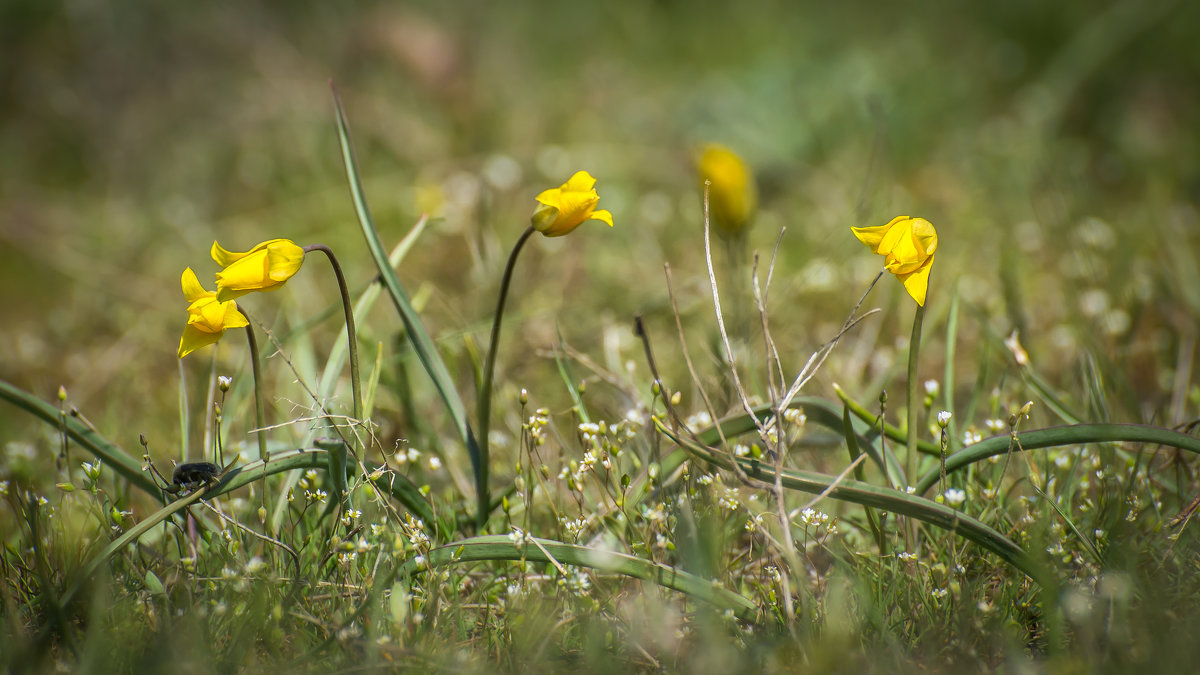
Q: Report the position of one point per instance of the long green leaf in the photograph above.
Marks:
(112, 455)
(422, 344)
(883, 498)
(501, 547)
(1075, 434)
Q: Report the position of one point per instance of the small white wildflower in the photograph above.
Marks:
(435, 463)
(795, 416)
(92, 470)
(224, 382)
(705, 479)
(729, 499)
(255, 565)
(741, 450)
(943, 419)
(955, 497)
(906, 556)
(995, 425)
(970, 437)
(911, 490)
(931, 387)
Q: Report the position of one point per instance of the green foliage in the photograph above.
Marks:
(623, 513)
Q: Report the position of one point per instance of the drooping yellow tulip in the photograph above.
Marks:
(263, 268)
(208, 317)
(562, 209)
(907, 245)
(732, 196)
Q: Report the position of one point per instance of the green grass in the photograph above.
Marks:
(632, 491)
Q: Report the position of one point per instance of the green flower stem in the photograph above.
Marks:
(891, 431)
(485, 389)
(260, 408)
(351, 333)
(914, 349)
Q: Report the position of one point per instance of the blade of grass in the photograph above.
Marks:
(1075, 434)
(422, 344)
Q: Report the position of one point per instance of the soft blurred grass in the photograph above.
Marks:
(1053, 146)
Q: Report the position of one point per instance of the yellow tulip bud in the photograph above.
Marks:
(263, 268)
(907, 245)
(562, 209)
(208, 318)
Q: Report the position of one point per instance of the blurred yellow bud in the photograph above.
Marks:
(732, 197)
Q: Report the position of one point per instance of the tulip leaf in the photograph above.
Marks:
(1050, 437)
(503, 547)
(875, 496)
(422, 343)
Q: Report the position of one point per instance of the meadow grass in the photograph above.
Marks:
(730, 464)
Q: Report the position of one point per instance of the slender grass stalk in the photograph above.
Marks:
(259, 400)
(484, 405)
(914, 350)
(351, 333)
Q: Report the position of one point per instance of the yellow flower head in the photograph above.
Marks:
(732, 197)
(907, 245)
(263, 268)
(563, 209)
(207, 317)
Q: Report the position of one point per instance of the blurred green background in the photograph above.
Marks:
(1054, 145)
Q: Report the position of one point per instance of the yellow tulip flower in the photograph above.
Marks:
(907, 245)
(562, 209)
(732, 196)
(208, 317)
(263, 268)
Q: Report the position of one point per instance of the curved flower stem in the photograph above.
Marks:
(485, 389)
(351, 334)
(914, 348)
(260, 407)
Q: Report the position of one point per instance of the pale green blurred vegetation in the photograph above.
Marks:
(1054, 146)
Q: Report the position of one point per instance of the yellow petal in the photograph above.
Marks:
(604, 216)
(192, 290)
(247, 273)
(193, 339)
(873, 236)
(582, 181)
(284, 259)
(917, 282)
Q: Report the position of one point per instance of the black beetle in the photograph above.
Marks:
(194, 474)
